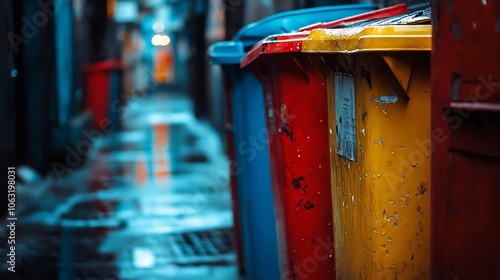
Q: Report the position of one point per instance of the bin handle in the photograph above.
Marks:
(401, 66)
(481, 107)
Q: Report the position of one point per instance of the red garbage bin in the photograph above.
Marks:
(102, 91)
(465, 140)
(297, 120)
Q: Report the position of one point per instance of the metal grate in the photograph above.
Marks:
(193, 248)
(202, 243)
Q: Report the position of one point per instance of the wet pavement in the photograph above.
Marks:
(151, 202)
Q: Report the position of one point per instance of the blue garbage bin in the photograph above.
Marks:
(246, 127)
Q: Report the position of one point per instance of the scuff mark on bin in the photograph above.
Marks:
(292, 268)
(422, 188)
(300, 202)
(388, 99)
(284, 121)
(309, 205)
(364, 117)
(287, 132)
(296, 183)
(366, 75)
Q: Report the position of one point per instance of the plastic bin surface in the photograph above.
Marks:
(378, 82)
(296, 114)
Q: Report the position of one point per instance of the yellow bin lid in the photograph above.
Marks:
(412, 35)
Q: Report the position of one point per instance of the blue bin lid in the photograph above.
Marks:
(231, 52)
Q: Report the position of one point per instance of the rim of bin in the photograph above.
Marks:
(227, 52)
(370, 39)
(292, 42)
(278, 23)
(253, 30)
(106, 65)
(408, 32)
(380, 13)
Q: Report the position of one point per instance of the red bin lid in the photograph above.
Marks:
(107, 65)
(292, 42)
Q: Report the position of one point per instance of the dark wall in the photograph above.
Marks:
(7, 66)
(101, 32)
(34, 101)
(198, 60)
(7, 94)
(36, 83)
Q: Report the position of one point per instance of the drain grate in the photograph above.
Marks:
(192, 248)
(202, 243)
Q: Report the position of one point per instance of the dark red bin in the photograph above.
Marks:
(102, 91)
(466, 140)
(297, 120)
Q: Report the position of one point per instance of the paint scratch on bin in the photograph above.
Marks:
(389, 99)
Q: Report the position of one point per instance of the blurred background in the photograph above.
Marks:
(114, 118)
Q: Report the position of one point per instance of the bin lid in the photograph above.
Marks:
(377, 14)
(275, 24)
(229, 52)
(409, 32)
(106, 65)
(292, 42)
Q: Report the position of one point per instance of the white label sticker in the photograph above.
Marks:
(345, 114)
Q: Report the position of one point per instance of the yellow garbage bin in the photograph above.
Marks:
(378, 82)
